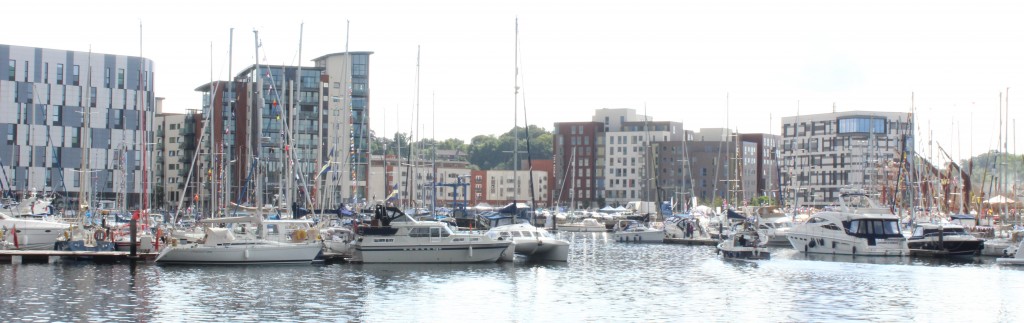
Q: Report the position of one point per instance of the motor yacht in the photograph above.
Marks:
(636, 231)
(31, 234)
(857, 226)
(745, 243)
(583, 225)
(533, 242)
(1018, 256)
(394, 237)
(951, 239)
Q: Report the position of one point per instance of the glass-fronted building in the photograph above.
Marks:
(823, 153)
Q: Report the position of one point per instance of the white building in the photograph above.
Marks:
(628, 164)
(822, 153)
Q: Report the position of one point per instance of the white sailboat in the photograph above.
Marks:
(533, 242)
(241, 241)
(246, 239)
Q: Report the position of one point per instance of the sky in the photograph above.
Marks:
(741, 64)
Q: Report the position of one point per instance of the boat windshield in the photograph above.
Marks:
(875, 228)
(859, 201)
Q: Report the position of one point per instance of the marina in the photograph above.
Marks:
(598, 282)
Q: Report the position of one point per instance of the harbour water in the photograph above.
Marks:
(603, 280)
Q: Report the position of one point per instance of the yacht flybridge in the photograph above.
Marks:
(857, 226)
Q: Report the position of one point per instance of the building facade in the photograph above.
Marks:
(630, 162)
(823, 153)
(346, 124)
(167, 166)
(76, 123)
(578, 165)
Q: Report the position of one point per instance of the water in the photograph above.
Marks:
(603, 281)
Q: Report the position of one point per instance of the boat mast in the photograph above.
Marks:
(225, 156)
(515, 129)
(258, 120)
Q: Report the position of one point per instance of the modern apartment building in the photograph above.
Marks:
(630, 160)
(578, 167)
(761, 159)
(168, 184)
(346, 124)
(287, 101)
(76, 123)
(823, 153)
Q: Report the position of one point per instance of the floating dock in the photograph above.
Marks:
(49, 256)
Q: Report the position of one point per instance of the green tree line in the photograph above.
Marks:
(484, 152)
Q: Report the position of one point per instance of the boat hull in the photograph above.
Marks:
(640, 236)
(743, 253)
(240, 254)
(435, 253)
(33, 236)
(846, 245)
(580, 228)
(1010, 261)
(950, 247)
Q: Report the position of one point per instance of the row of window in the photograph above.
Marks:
(75, 78)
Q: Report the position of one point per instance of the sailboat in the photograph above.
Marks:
(537, 244)
(243, 239)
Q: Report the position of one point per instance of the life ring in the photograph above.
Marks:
(99, 235)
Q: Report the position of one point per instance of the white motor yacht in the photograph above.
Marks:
(636, 231)
(745, 244)
(31, 234)
(858, 226)
(395, 237)
(775, 229)
(533, 242)
(235, 244)
(1018, 256)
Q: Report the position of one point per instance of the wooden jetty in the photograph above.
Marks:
(692, 241)
(48, 256)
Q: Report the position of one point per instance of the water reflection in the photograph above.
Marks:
(603, 281)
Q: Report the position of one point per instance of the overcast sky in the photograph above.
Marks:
(678, 60)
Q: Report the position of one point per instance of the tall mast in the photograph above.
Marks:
(515, 127)
(258, 120)
(225, 156)
(84, 199)
(142, 114)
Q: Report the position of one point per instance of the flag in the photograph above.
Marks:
(393, 196)
(324, 169)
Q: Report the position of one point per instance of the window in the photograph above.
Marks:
(56, 117)
(74, 75)
(10, 134)
(60, 73)
(26, 71)
(92, 97)
(11, 69)
(359, 65)
(46, 72)
(75, 134)
(862, 125)
(55, 161)
(120, 78)
(106, 77)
